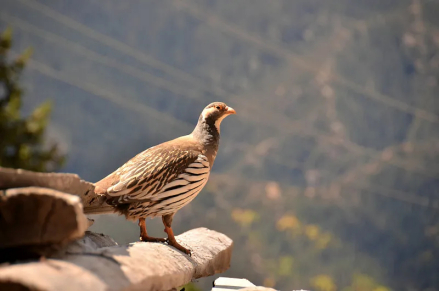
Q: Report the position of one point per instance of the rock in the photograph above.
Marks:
(35, 216)
(96, 263)
(64, 182)
(225, 283)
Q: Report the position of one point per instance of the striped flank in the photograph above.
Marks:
(177, 193)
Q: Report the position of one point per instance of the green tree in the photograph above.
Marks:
(22, 142)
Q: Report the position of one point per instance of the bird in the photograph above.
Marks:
(164, 178)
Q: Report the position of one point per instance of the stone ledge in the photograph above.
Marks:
(34, 216)
(97, 263)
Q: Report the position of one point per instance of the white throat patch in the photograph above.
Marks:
(218, 122)
(207, 112)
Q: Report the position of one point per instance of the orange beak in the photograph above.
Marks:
(230, 110)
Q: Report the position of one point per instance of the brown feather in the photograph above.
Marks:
(158, 166)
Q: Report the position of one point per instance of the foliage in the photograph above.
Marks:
(361, 282)
(323, 283)
(245, 217)
(193, 287)
(22, 138)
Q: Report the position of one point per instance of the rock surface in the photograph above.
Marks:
(35, 216)
(64, 182)
(96, 263)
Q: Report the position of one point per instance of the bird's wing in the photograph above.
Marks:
(156, 174)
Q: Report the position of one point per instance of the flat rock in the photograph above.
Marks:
(34, 216)
(97, 263)
(64, 182)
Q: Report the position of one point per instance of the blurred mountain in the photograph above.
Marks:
(327, 178)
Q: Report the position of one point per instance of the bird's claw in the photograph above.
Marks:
(186, 251)
(179, 247)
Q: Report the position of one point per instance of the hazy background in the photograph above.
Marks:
(328, 176)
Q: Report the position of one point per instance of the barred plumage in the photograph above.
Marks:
(163, 179)
(174, 195)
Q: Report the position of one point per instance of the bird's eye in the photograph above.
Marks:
(218, 107)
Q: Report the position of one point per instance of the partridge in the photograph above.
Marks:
(164, 178)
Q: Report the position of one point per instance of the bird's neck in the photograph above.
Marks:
(207, 133)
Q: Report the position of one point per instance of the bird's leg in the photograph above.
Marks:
(167, 221)
(144, 235)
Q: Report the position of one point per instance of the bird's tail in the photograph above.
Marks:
(103, 209)
(96, 204)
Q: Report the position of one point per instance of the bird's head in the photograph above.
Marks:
(215, 112)
(207, 131)
(208, 128)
